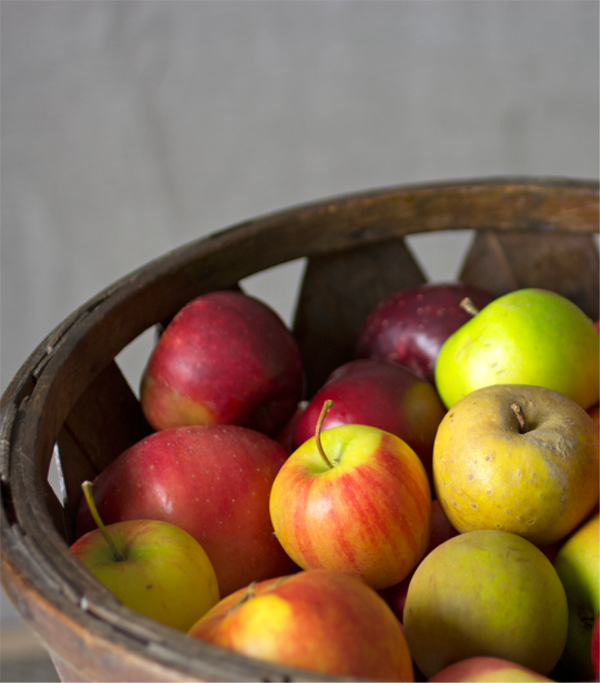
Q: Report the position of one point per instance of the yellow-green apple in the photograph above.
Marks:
(518, 458)
(320, 620)
(378, 394)
(410, 326)
(152, 567)
(487, 670)
(225, 358)
(486, 593)
(441, 530)
(214, 482)
(356, 499)
(529, 336)
(578, 566)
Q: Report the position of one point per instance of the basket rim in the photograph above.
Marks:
(29, 421)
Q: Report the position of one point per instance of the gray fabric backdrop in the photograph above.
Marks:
(130, 128)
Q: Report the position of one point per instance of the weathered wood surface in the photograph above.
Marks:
(54, 395)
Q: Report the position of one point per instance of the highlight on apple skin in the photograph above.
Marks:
(356, 499)
(321, 620)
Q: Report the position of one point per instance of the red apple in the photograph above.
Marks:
(378, 394)
(486, 669)
(214, 482)
(441, 530)
(320, 620)
(355, 499)
(225, 358)
(410, 326)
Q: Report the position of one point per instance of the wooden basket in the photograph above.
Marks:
(71, 392)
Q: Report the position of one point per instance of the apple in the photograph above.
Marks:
(578, 566)
(225, 358)
(214, 482)
(518, 458)
(355, 499)
(441, 530)
(486, 593)
(152, 567)
(411, 325)
(378, 394)
(320, 620)
(529, 336)
(596, 648)
(486, 670)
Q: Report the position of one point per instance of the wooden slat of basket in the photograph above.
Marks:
(338, 292)
(564, 263)
(106, 420)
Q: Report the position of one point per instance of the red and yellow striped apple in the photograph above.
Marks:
(356, 499)
(487, 670)
(320, 620)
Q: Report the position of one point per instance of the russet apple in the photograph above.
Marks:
(578, 566)
(320, 620)
(410, 326)
(485, 593)
(487, 670)
(225, 358)
(518, 458)
(214, 482)
(356, 499)
(152, 567)
(529, 336)
(378, 394)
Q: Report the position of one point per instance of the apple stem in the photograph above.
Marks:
(87, 492)
(518, 411)
(467, 305)
(326, 406)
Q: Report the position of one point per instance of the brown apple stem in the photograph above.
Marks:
(518, 411)
(87, 492)
(467, 305)
(326, 406)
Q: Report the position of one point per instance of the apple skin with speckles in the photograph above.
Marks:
(212, 481)
(225, 358)
(367, 512)
(410, 326)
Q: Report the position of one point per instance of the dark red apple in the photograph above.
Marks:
(410, 326)
(212, 481)
(441, 530)
(378, 394)
(225, 358)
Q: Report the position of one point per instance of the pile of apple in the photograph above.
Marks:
(431, 513)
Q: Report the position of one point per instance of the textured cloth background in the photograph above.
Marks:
(130, 128)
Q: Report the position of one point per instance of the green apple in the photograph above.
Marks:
(529, 336)
(518, 458)
(151, 566)
(485, 594)
(578, 566)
